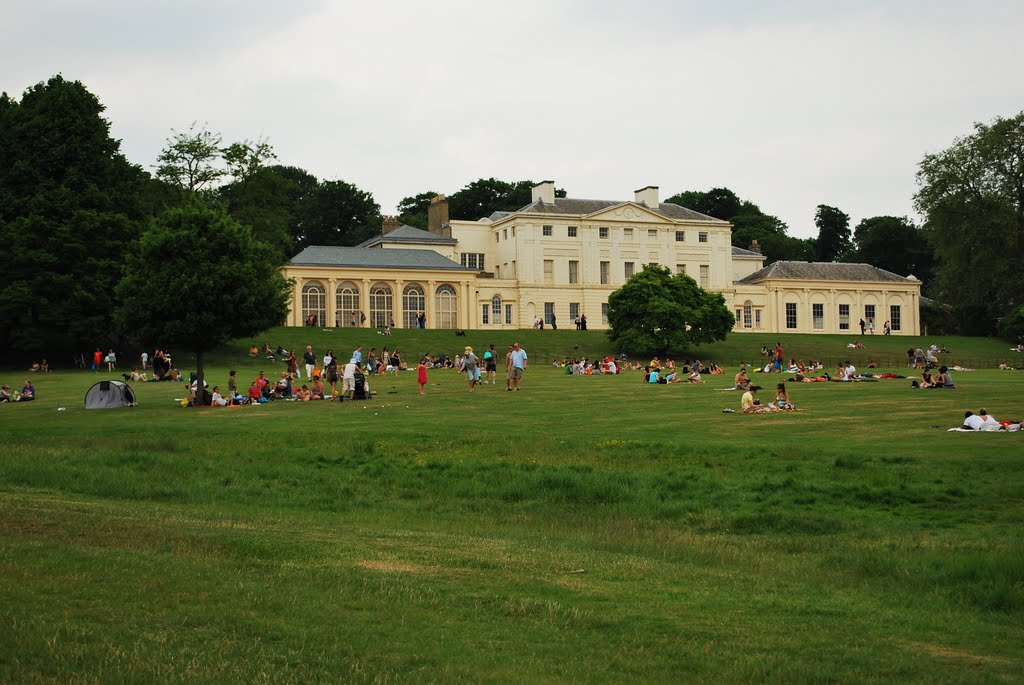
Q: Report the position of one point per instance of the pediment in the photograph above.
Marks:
(628, 211)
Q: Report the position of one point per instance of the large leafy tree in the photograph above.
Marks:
(656, 311)
(972, 198)
(412, 211)
(749, 224)
(70, 204)
(337, 213)
(833, 240)
(894, 244)
(485, 196)
(197, 279)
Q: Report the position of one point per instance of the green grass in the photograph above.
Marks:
(584, 529)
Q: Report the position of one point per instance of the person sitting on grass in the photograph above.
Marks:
(28, 392)
(304, 395)
(317, 391)
(782, 401)
(742, 381)
(255, 393)
(749, 404)
(218, 400)
(5, 394)
(694, 376)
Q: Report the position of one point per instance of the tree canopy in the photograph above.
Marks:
(749, 224)
(894, 244)
(972, 198)
(70, 203)
(656, 311)
(833, 242)
(197, 279)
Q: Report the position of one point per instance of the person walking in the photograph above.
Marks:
(111, 361)
(309, 359)
(421, 375)
(145, 360)
(491, 364)
(471, 365)
(518, 359)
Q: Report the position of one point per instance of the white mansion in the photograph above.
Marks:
(560, 258)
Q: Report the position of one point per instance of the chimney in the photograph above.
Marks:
(755, 246)
(390, 224)
(545, 192)
(437, 215)
(647, 197)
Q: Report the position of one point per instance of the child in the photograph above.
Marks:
(421, 376)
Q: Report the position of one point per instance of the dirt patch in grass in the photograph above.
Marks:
(950, 655)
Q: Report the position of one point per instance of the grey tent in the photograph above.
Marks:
(109, 394)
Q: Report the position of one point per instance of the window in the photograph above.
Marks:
(485, 312)
(627, 234)
(314, 303)
(606, 268)
(496, 308)
(446, 308)
(574, 271)
(680, 268)
(602, 232)
(380, 306)
(705, 276)
(549, 312)
(844, 317)
(512, 272)
(572, 231)
(652, 263)
(508, 313)
(894, 317)
(346, 304)
(574, 311)
(702, 237)
(413, 303)
(604, 313)
(473, 260)
(513, 231)
(757, 318)
(629, 267)
(652, 234)
(680, 236)
(818, 316)
(549, 271)
(547, 230)
(791, 315)
(747, 308)
(504, 234)
(739, 316)
(869, 315)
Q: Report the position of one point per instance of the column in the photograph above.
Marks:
(364, 305)
(396, 304)
(429, 302)
(331, 302)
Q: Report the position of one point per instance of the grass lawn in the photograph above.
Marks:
(585, 529)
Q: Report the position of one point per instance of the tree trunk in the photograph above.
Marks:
(202, 397)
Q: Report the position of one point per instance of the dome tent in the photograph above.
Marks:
(109, 394)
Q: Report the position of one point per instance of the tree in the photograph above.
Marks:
(833, 233)
(192, 160)
(485, 196)
(972, 198)
(197, 279)
(412, 211)
(720, 203)
(70, 204)
(656, 311)
(247, 158)
(894, 244)
(263, 201)
(337, 213)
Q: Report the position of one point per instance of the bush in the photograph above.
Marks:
(1011, 326)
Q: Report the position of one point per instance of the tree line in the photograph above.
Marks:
(74, 211)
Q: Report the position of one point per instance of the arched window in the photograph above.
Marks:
(346, 303)
(748, 321)
(446, 306)
(413, 303)
(496, 309)
(380, 305)
(314, 304)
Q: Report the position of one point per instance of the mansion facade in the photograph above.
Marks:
(557, 259)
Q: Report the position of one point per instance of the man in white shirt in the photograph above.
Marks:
(348, 379)
(972, 421)
(850, 371)
(989, 422)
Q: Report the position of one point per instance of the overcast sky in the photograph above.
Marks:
(790, 104)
